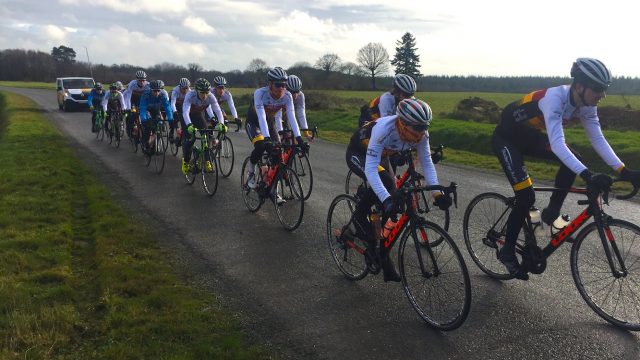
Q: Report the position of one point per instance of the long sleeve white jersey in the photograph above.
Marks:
(193, 103)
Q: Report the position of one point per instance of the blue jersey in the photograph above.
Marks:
(95, 98)
(157, 103)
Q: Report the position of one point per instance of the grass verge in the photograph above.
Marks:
(78, 278)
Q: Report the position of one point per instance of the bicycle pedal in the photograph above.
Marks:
(490, 243)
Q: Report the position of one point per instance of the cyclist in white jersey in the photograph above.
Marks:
(260, 126)
(132, 96)
(196, 102)
(112, 102)
(384, 105)
(533, 126)
(224, 96)
(177, 99)
(294, 86)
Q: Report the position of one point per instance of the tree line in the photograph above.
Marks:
(329, 72)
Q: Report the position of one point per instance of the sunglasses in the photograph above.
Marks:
(220, 87)
(279, 84)
(155, 91)
(598, 89)
(203, 92)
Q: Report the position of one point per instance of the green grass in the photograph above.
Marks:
(27, 84)
(79, 279)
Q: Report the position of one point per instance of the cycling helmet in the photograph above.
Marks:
(277, 74)
(591, 72)
(184, 83)
(161, 84)
(113, 86)
(404, 83)
(415, 113)
(119, 85)
(98, 86)
(294, 84)
(156, 84)
(203, 84)
(141, 75)
(219, 81)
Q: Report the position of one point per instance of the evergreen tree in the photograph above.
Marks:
(406, 61)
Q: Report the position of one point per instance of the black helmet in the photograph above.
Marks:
(277, 74)
(203, 84)
(591, 73)
(156, 85)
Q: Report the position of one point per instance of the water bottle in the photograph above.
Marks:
(560, 223)
(375, 223)
(388, 227)
(536, 224)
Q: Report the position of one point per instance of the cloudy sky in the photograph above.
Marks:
(454, 37)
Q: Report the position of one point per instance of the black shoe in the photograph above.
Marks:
(549, 216)
(511, 263)
(389, 270)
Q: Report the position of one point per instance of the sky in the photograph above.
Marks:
(453, 37)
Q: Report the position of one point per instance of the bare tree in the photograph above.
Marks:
(300, 64)
(375, 59)
(328, 62)
(351, 68)
(257, 65)
(194, 70)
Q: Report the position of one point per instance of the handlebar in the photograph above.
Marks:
(288, 132)
(451, 189)
(631, 194)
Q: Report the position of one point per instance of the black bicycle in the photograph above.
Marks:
(605, 256)
(203, 161)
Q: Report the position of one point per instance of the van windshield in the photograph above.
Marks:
(78, 83)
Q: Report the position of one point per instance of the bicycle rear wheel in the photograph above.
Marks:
(289, 191)
(251, 197)
(299, 162)
(484, 227)
(225, 156)
(435, 277)
(614, 297)
(346, 250)
(100, 133)
(352, 183)
(209, 176)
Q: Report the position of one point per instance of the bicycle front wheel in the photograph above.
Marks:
(289, 200)
(302, 167)
(225, 156)
(251, 196)
(159, 155)
(484, 227)
(190, 176)
(209, 172)
(435, 277)
(613, 295)
(346, 249)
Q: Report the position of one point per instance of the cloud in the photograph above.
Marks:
(138, 6)
(199, 25)
(52, 32)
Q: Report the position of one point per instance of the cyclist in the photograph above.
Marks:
(533, 126)
(152, 102)
(195, 103)
(132, 95)
(95, 101)
(404, 86)
(267, 101)
(224, 96)
(294, 86)
(112, 102)
(368, 156)
(177, 99)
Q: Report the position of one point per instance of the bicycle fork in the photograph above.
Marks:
(423, 242)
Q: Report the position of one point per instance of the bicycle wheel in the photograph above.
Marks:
(352, 183)
(117, 125)
(435, 278)
(193, 167)
(159, 154)
(225, 156)
(615, 298)
(251, 197)
(433, 214)
(164, 134)
(484, 227)
(100, 133)
(209, 178)
(110, 131)
(289, 202)
(346, 250)
(302, 167)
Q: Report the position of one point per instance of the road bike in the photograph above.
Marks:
(135, 134)
(203, 161)
(440, 217)
(155, 147)
(116, 127)
(605, 255)
(434, 275)
(99, 124)
(277, 182)
(224, 151)
(300, 162)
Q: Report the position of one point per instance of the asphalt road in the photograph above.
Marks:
(289, 293)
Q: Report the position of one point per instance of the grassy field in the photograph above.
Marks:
(31, 85)
(79, 279)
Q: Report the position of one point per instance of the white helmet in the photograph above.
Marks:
(405, 83)
(415, 113)
(184, 83)
(591, 72)
(141, 75)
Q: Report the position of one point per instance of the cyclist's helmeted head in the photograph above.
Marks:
(98, 86)
(184, 83)
(113, 87)
(219, 84)
(203, 87)
(156, 86)
(294, 84)
(277, 81)
(119, 85)
(414, 117)
(591, 73)
(404, 85)
(141, 76)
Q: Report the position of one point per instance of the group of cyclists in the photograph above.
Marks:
(388, 125)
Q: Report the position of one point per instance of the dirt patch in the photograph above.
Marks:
(478, 110)
(619, 118)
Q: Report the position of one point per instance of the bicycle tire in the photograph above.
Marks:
(118, 131)
(299, 162)
(435, 278)
(225, 156)
(481, 214)
(190, 176)
(159, 154)
(251, 197)
(591, 271)
(289, 188)
(349, 261)
(209, 178)
(352, 183)
(164, 134)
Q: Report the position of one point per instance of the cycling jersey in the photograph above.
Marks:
(113, 101)
(383, 105)
(95, 98)
(548, 110)
(192, 103)
(177, 98)
(134, 92)
(381, 139)
(227, 98)
(265, 108)
(153, 104)
(299, 106)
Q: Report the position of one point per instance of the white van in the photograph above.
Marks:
(73, 92)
